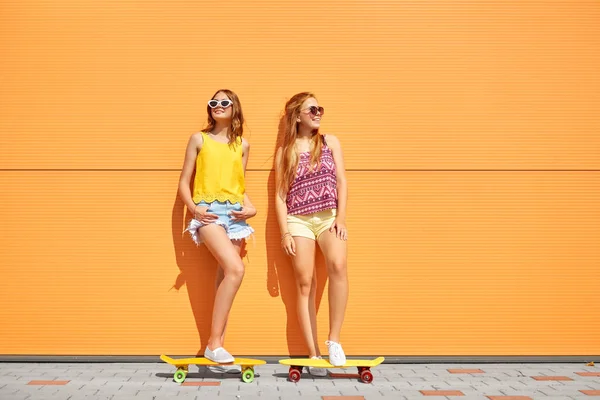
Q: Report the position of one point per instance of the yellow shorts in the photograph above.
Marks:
(312, 225)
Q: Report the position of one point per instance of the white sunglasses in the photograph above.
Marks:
(223, 103)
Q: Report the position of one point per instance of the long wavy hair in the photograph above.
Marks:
(289, 159)
(237, 118)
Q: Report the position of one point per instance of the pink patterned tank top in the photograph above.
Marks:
(316, 190)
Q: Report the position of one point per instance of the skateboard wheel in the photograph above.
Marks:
(179, 376)
(248, 375)
(366, 376)
(294, 374)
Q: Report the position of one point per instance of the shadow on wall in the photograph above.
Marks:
(197, 270)
(280, 274)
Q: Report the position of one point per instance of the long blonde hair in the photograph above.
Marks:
(237, 117)
(289, 159)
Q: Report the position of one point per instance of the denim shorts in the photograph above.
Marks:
(236, 230)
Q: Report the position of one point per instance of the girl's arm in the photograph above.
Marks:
(287, 242)
(189, 164)
(339, 225)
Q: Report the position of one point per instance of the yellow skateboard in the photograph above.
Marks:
(364, 367)
(182, 364)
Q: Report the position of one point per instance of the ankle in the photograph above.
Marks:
(214, 344)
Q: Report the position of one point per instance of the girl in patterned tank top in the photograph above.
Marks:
(310, 202)
(217, 159)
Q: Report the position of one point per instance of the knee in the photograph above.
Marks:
(304, 285)
(236, 272)
(337, 269)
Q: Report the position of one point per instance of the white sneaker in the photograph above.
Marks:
(337, 357)
(316, 371)
(218, 355)
(224, 369)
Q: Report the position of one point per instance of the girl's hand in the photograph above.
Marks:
(243, 214)
(202, 215)
(339, 227)
(288, 245)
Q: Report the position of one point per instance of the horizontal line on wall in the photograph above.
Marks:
(268, 170)
(395, 359)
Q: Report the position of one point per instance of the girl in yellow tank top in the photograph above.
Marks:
(219, 204)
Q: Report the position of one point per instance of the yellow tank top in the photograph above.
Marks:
(219, 172)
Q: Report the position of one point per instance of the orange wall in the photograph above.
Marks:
(470, 132)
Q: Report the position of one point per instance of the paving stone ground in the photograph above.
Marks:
(120, 381)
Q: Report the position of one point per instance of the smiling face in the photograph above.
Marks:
(221, 113)
(308, 119)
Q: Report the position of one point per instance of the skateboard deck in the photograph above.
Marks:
(364, 367)
(182, 365)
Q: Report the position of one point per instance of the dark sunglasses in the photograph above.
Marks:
(314, 110)
(223, 103)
